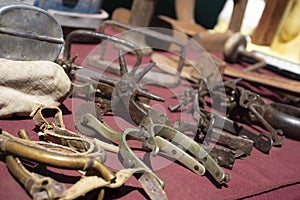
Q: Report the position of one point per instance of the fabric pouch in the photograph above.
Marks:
(24, 84)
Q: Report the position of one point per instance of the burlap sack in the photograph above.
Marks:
(23, 84)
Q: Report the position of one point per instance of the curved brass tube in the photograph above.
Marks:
(34, 152)
(16, 169)
(38, 186)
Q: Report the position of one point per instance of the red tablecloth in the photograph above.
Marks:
(259, 176)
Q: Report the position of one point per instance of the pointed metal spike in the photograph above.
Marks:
(144, 71)
(142, 93)
(123, 66)
(74, 58)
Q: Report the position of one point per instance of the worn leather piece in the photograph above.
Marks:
(87, 183)
(23, 84)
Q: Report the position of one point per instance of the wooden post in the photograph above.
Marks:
(141, 12)
(269, 22)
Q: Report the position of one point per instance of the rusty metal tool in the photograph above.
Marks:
(158, 125)
(247, 102)
(151, 183)
(284, 117)
(87, 121)
(125, 97)
(98, 61)
(211, 127)
(126, 102)
(223, 156)
(262, 141)
(150, 33)
(100, 35)
(153, 77)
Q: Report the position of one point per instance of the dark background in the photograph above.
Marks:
(206, 12)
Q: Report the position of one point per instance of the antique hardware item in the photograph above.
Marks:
(128, 158)
(41, 187)
(99, 127)
(165, 79)
(249, 103)
(55, 132)
(75, 71)
(128, 99)
(234, 51)
(38, 186)
(149, 118)
(87, 123)
(127, 104)
(211, 127)
(17, 22)
(241, 146)
(150, 33)
(262, 141)
(153, 77)
(284, 117)
(70, 38)
(85, 119)
(204, 158)
(35, 152)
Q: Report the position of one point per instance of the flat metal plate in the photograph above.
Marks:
(29, 33)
